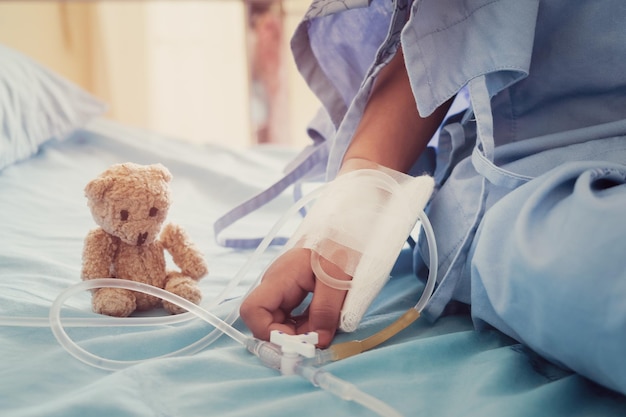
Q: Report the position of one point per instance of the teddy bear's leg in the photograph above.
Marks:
(183, 286)
(146, 302)
(116, 302)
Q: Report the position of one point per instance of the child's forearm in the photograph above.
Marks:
(391, 132)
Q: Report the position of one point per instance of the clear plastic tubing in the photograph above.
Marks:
(99, 321)
(271, 357)
(111, 364)
(345, 390)
(265, 244)
(432, 260)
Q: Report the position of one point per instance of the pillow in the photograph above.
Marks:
(37, 105)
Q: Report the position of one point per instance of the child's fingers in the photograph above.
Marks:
(285, 284)
(325, 308)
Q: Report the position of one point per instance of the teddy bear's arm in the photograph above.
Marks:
(183, 251)
(98, 254)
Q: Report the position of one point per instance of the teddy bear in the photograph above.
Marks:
(130, 203)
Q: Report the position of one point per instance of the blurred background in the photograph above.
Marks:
(203, 70)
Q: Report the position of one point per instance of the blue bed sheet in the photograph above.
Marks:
(441, 369)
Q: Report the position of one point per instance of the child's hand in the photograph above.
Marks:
(285, 285)
(391, 133)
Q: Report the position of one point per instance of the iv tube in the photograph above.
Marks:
(317, 377)
(265, 244)
(432, 261)
(345, 390)
(109, 364)
(100, 321)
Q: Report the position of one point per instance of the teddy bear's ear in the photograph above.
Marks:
(96, 188)
(161, 172)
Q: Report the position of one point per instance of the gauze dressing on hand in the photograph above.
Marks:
(360, 224)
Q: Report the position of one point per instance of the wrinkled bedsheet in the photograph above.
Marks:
(431, 369)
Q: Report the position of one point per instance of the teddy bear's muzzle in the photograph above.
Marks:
(141, 239)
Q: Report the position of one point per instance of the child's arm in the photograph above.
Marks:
(391, 133)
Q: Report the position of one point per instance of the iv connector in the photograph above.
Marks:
(293, 348)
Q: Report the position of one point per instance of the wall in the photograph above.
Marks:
(199, 79)
(300, 98)
(177, 67)
(53, 33)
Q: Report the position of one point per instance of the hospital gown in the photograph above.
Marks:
(529, 211)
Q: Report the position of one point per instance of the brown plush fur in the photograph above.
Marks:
(130, 203)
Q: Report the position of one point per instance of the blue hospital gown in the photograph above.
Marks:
(529, 211)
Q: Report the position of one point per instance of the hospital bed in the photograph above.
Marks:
(54, 141)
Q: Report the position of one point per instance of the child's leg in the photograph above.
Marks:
(549, 268)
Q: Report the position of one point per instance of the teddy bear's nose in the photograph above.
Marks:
(142, 238)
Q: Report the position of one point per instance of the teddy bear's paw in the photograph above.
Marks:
(183, 286)
(197, 268)
(115, 302)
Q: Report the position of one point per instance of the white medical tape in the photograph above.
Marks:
(360, 224)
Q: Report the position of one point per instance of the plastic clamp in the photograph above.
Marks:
(292, 347)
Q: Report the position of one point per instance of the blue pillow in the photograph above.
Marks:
(37, 105)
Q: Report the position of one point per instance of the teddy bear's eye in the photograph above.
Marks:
(124, 215)
(153, 211)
